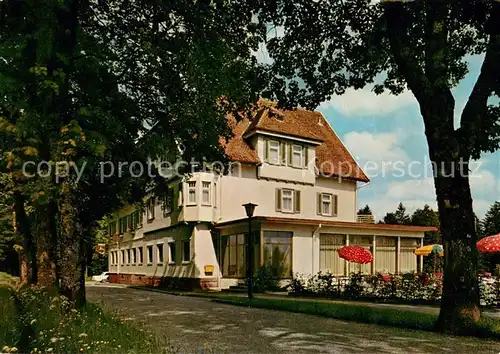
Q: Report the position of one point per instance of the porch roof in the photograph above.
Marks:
(346, 224)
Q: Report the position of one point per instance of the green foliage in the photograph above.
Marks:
(55, 326)
(9, 320)
(265, 278)
(399, 217)
(365, 210)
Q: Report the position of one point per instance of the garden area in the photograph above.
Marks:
(413, 288)
(36, 321)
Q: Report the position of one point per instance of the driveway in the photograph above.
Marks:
(191, 324)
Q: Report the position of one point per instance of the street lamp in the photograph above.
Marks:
(249, 209)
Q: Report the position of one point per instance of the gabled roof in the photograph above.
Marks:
(332, 157)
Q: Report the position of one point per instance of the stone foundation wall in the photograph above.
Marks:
(164, 282)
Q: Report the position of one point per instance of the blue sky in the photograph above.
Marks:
(380, 130)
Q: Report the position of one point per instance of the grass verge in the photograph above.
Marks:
(37, 321)
(486, 328)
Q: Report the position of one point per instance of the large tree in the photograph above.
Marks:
(82, 81)
(324, 47)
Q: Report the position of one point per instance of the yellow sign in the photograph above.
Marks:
(209, 269)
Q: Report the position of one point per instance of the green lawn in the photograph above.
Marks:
(39, 322)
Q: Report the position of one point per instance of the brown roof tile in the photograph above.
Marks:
(332, 157)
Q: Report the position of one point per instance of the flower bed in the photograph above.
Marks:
(405, 287)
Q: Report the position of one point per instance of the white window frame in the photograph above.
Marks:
(215, 194)
(149, 260)
(292, 200)
(158, 247)
(150, 209)
(276, 148)
(140, 250)
(191, 187)
(183, 250)
(206, 190)
(329, 200)
(298, 150)
(171, 257)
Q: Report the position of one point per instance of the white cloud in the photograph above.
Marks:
(376, 147)
(412, 189)
(366, 103)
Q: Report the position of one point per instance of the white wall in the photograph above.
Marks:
(236, 191)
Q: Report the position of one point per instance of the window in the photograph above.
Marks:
(186, 251)
(112, 258)
(287, 200)
(168, 202)
(278, 252)
(215, 195)
(231, 253)
(329, 259)
(273, 151)
(180, 200)
(123, 224)
(150, 209)
(135, 219)
(159, 252)
(205, 193)
(123, 257)
(327, 204)
(134, 254)
(192, 192)
(297, 156)
(128, 256)
(172, 255)
(112, 228)
(150, 254)
(139, 255)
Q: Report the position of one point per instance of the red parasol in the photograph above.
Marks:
(489, 244)
(355, 254)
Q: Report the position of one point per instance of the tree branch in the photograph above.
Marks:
(475, 111)
(397, 32)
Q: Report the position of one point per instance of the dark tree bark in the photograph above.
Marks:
(46, 241)
(27, 257)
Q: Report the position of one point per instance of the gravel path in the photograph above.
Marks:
(191, 324)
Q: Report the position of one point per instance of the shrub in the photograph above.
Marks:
(266, 278)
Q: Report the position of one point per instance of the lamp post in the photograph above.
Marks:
(249, 209)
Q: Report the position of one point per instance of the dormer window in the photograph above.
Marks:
(298, 156)
(274, 152)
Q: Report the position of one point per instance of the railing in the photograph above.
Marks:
(370, 219)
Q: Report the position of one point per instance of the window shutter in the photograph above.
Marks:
(266, 152)
(278, 199)
(297, 201)
(306, 156)
(334, 206)
(290, 154)
(319, 203)
(283, 152)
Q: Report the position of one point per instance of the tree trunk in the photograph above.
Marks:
(46, 239)
(460, 301)
(72, 253)
(27, 257)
